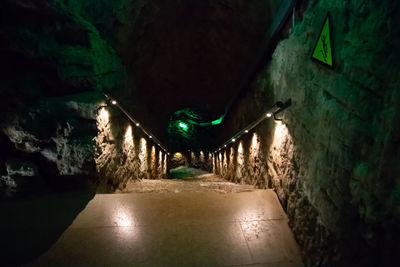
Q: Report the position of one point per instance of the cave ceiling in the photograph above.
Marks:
(155, 56)
(190, 53)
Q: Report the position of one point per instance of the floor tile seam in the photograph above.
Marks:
(247, 243)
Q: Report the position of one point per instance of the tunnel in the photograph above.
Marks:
(199, 133)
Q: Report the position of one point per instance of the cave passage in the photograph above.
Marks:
(200, 133)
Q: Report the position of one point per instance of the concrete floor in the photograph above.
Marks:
(208, 222)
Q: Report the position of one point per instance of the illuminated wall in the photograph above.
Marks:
(244, 161)
(124, 153)
(334, 161)
(202, 160)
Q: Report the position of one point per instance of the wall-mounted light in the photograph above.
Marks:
(102, 106)
(113, 101)
(275, 109)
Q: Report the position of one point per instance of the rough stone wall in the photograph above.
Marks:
(244, 161)
(124, 153)
(201, 160)
(334, 161)
(56, 63)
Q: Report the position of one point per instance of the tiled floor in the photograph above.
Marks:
(185, 228)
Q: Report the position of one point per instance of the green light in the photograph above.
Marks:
(218, 121)
(184, 126)
(214, 122)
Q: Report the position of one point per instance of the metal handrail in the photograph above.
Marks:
(271, 113)
(116, 103)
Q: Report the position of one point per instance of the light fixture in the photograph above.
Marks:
(271, 112)
(113, 101)
(184, 126)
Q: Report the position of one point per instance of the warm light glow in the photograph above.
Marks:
(231, 157)
(246, 131)
(160, 163)
(102, 139)
(121, 217)
(150, 137)
(269, 115)
(124, 220)
(143, 155)
(281, 131)
(233, 140)
(103, 118)
(225, 164)
(255, 157)
(128, 135)
(177, 156)
(153, 160)
(240, 162)
(240, 148)
(113, 102)
(224, 145)
(137, 124)
(213, 158)
(202, 156)
(165, 164)
(128, 146)
(254, 141)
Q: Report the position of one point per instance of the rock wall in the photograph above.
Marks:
(201, 160)
(334, 159)
(56, 63)
(124, 153)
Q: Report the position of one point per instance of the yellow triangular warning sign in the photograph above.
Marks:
(322, 51)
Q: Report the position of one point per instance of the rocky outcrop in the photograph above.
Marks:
(201, 160)
(124, 153)
(55, 65)
(334, 160)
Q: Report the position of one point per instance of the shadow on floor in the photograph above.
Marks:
(185, 173)
(29, 226)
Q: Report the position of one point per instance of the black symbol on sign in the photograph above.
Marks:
(324, 50)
